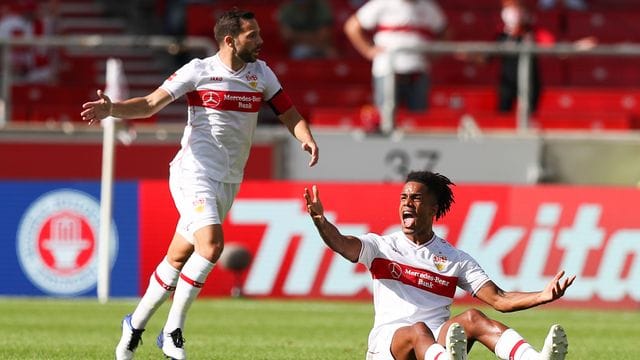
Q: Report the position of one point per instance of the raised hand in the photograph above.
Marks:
(314, 205)
(556, 287)
(312, 148)
(97, 110)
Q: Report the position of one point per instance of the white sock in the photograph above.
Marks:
(192, 277)
(161, 284)
(511, 346)
(433, 351)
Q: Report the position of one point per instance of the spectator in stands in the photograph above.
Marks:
(29, 19)
(44, 17)
(518, 27)
(397, 24)
(307, 28)
(13, 24)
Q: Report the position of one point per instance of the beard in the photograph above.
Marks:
(246, 55)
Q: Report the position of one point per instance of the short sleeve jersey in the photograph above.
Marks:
(414, 283)
(401, 24)
(223, 108)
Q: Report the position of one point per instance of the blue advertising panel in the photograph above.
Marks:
(49, 238)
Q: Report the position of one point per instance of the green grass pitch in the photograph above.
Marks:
(233, 329)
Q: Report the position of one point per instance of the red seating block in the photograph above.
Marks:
(447, 70)
(322, 72)
(332, 96)
(472, 98)
(603, 71)
(473, 24)
(607, 25)
(590, 100)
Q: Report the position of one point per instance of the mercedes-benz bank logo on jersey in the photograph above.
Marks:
(57, 242)
(211, 99)
(395, 270)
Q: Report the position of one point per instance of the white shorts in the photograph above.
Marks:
(200, 201)
(380, 340)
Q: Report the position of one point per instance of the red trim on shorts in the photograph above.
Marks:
(190, 281)
(162, 283)
(419, 278)
(512, 354)
(280, 102)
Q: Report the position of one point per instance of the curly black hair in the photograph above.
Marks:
(230, 23)
(438, 185)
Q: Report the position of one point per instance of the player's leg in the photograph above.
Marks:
(418, 92)
(505, 342)
(208, 243)
(409, 341)
(417, 342)
(161, 284)
(208, 240)
(163, 281)
(507, 95)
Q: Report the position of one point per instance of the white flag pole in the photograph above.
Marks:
(116, 90)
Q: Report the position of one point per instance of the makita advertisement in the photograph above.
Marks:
(521, 235)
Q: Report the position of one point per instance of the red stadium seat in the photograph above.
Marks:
(322, 72)
(447, 70)
(609, 26)
(331, 96)
(590, 100)
(340, 117)
(603, 71)
(468, 24)
(583, 121)
(469, 98)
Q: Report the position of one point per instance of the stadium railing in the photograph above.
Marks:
(524, 50)
(172, 45)
(169, 44)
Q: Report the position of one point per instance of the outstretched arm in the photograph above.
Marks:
(347, 246)
(134, 108)
(507, 301)
(299, 128)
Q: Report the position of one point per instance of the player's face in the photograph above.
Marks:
(417, 209)
(248, 43)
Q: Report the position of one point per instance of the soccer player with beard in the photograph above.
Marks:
(224, 94)
(415, 275)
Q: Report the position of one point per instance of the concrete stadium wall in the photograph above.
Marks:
(586, 159)
(604, 160)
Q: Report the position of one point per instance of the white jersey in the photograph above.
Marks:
(223, 113)
(401, 24)
(413, 283)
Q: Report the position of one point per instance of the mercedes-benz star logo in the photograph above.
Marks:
(210, 98)
(396, 270)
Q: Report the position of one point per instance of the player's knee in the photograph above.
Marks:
(212, 250)
(177, 260)
(209, 242)
(420, 329)
(474, 316)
